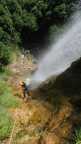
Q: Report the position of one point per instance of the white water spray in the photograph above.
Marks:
(60, 56)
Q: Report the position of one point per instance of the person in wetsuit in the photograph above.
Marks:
(25, 88)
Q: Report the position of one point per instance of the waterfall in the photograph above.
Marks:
(61, 54)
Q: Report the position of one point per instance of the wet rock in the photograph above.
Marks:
(50, 116)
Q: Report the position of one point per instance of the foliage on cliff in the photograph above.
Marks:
(24, 22)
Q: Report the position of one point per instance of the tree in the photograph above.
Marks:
(5, 53)
(32, 18)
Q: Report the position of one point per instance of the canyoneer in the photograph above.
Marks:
(25, 89)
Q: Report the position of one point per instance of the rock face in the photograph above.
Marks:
(70, 81)
(64, 93)
(40, 123)
(54, 111)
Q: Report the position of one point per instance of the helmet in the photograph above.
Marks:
(28, 81)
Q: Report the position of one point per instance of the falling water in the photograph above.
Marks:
(60, 56)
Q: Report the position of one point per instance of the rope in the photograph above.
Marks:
(13, 129)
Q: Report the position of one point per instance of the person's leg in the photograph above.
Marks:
(26, 95)
(29, 95)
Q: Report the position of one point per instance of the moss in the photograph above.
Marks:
(6, 123)
(7, 100)
(77, 138)
(6, 97)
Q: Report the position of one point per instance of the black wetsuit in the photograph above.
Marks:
(26, 91)
(27, 88)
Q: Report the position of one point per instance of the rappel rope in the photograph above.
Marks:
(13, 130)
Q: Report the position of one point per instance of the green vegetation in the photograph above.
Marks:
(4, 73)
(5, 123)
(6, 96)
(25, 22)
(7, 101)
(78, 136)
(5, 53)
